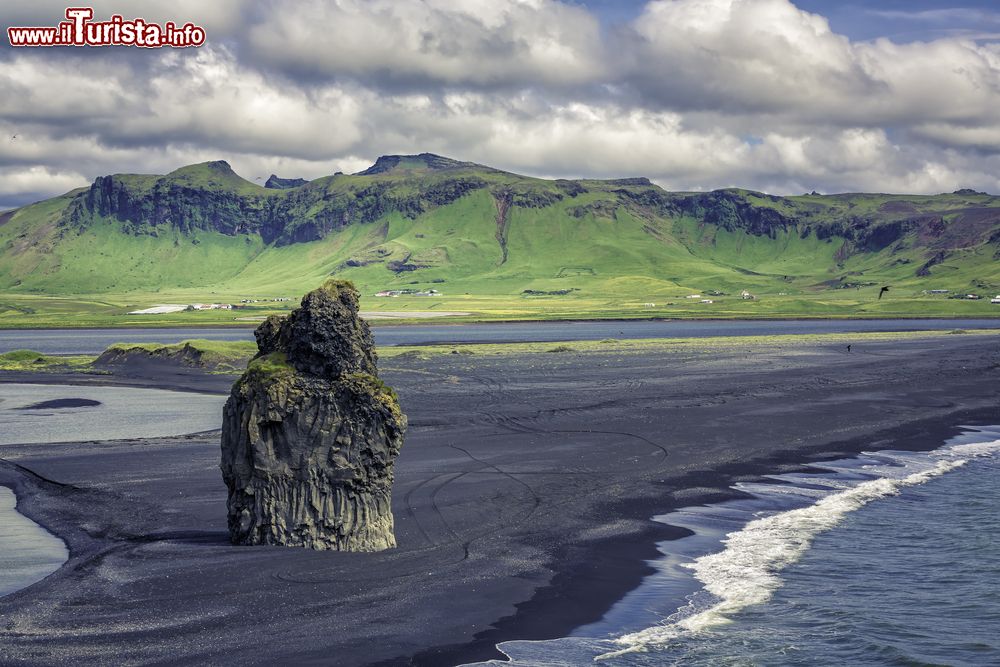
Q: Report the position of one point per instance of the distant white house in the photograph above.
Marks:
(693, 296)
(747, 296)
(706, 301)
(995, 299)
(210, 306)
(408, 292)
(649, 305)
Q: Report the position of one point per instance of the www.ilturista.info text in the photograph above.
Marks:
(80, 30)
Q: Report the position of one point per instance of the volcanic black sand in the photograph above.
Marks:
(523, 500)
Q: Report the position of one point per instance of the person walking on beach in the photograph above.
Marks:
(848, 349)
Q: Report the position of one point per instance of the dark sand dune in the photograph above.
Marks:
(523, 500)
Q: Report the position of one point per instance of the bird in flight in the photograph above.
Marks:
(883, 291)
(13, 137)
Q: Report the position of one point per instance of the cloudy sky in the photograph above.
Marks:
(785, 96)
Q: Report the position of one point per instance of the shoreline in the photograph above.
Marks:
(579, 553)
(545, 616)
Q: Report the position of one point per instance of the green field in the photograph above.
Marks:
(36, 362)
(495, 246)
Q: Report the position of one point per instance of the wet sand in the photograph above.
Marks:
(523, 500)
(62, 404)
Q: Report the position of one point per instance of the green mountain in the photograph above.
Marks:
(419, 221)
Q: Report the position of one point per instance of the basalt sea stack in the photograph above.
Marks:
(310, 433)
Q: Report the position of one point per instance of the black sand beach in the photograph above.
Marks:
(523, 500)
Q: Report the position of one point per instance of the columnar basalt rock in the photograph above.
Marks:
(310, 433)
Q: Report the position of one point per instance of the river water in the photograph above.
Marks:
(121, 412)
(94, 341)
(29, 553)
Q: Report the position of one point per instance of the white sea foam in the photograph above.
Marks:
(972, 449)
(746, 571)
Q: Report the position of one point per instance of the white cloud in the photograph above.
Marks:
(767, 56)
(21, 185)
(35, 89)
(944, 80)
(470, 42)
(743, 55)
(956, 136)
(692, 93)
(209, 99)
(203, 98)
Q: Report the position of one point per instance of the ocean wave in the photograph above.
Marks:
(746, 571)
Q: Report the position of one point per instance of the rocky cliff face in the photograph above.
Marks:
(731, 211)
(212, 197)
(275, 183)
(310, 433)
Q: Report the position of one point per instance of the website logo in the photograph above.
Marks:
(79, 29)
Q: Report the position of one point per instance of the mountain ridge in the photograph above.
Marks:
(430, 218)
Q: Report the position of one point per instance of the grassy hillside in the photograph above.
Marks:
(493, 244)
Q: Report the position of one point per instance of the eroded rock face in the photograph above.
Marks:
(310, 433)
